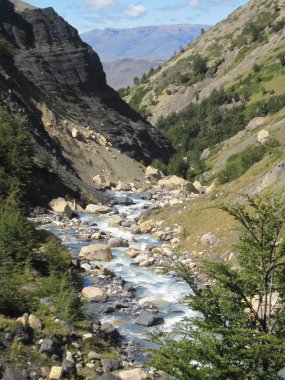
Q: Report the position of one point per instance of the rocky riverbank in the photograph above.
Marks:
(123, 261)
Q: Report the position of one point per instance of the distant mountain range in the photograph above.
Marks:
(143, 45)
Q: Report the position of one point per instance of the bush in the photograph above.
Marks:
(6, 49)
(239, 163)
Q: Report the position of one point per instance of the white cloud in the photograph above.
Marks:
(193, 3)
(99, 4)
(135, 10)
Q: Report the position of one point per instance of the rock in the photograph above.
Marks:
(24, 319)
(133, 374)
(110, 331)
(146, 318)
(101, 182)
(92, 355)
(146, 195)
(34, 322)
(205, 154)
(116, 221)
(208, 238)
(88, 338)
(135, 229)
(110, 365)
(199, 187)
(123, 200)
(108, 376)
(55, 373)
(75, 133)
(117, 242)
(14, 374)
(68, 364)
(262, 136)
(281, 373)
(90, 292)
(96, 252)
(256, 122)
(153, 173)
(211, 188)
(75, 206)
(47, 346)
(91, 208)
(60, 207)
(173, 182)
(46, 236)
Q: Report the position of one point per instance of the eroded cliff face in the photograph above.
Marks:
(59, 83)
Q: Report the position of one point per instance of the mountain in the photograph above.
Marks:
(142, 46)
(158, 42)
(221, 102)
(57, 82)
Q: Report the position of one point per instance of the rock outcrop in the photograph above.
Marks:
(57, 82)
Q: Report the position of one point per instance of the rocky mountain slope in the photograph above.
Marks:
(135, 50)
(81, 126)
(230, 49)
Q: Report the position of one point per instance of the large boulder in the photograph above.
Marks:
(148, 319)
(90, 292)
(153, 173)
(177, 183)
(101, 181)
(96, 252)
(117, 242)
(262, 136)
(133, 374)
(55, 373)
(98, 209)
(61, 207)
(123, 200)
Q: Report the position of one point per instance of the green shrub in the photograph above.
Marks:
(6, 49)
(239, 163)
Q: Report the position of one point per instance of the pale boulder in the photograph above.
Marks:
(61, 207)
(199, 187)
(262, 136)
(153, 173)
(173, 182)
(133, 374)
(55, 373)
(96, 252)
(101, 181)
(91, 208)
(75, 133)
(90, 292)
(34, 322)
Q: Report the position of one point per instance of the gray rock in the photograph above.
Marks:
(124, 200)
(47, 346)
(110, 365)
(108, 376)
(148, 319)
(135, 229)
(14, 374)
(68, 364)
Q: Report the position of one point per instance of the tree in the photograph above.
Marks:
(238, 332)
(281, 58)
(199, 65)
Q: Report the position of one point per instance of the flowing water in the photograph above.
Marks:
(165, 291)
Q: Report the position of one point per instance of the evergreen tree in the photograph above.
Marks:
(238, 331)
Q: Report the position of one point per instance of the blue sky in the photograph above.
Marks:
(89, 14)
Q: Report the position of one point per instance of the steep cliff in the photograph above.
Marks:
(58, 82)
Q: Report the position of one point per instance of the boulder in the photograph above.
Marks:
(90, 292)
(108, 376)
(199, 187)
(262, 136)
(173, 183)
(96, 252)
(68, 364)
(47, 346)
(123, 200)
(110, 365)
(14, 374)
(205, 154)
(101, 181)
(117, 242)
(75, 133)
(60, 207)
(92, 355)
(133, 374)
(116, 221)
(148, 319)
(46, 236)
(153, 173)
(97, 209)
(34, 322)
(55, 373)
(256, 122)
